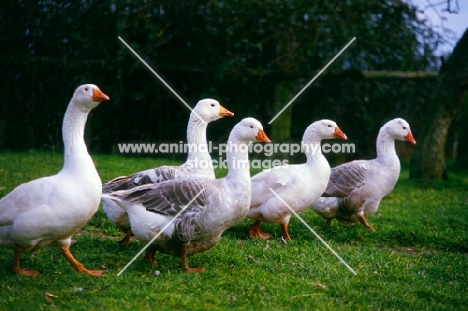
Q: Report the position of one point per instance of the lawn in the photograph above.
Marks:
(416, 260)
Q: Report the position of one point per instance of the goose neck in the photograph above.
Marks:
(385, 145)
(196, 138)
(237, 155)
(311, 144)
(76, 152)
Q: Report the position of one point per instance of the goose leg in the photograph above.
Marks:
(149, 256)
(78, 266)
(126, 239)
(16, 264)
(286, 236)
(362, 219)
(184, 261)
(255, 232)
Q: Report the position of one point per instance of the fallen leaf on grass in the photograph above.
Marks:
(318, 284)
(48, 298)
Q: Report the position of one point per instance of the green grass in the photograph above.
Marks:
(416, 260)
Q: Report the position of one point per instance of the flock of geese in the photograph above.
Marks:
(185, 205)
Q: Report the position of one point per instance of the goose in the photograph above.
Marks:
(356, 188)
(220, 204)
(206, 111)
(49, 210)
(298, 185)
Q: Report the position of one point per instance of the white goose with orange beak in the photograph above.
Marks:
(198, 164)
(220, 204)
(356, 188)
(298, 185)
(49, 210)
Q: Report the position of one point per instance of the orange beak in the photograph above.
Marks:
(409, 137)
(261, 136)
(99, 96)
(339, 134)
(223, 112)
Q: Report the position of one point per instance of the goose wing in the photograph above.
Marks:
(151, 176)
(346, 178)
(169, 198)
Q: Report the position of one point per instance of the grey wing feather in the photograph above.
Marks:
(169, 198)
(346, 178)
(152, 176)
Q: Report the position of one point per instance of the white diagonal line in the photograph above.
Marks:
(315, 233)
(159, 233)
(316, 76)
(161, 79)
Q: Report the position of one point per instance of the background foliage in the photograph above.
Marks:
(235, 51)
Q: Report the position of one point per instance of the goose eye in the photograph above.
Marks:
(329, 125)
(212, 105)
(86, 89)
(404, 127)
(251, 127)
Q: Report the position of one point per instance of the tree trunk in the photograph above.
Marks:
(281, 127)
(428, 161)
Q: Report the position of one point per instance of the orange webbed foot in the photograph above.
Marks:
(124, 242)
(149, 257)
(26, 272)
(195, 270)
(97, 273)
(16, 264)
(77, 265)
(363, 220)
(255, 232)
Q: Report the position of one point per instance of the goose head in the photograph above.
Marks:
(211, 110)
(88, 96)
(399, 129)
(247, 130)
(323, 129)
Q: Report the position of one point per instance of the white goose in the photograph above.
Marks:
(49, 210)
(356, 188)
(298, 185)
(206, 111)
(222, 203)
